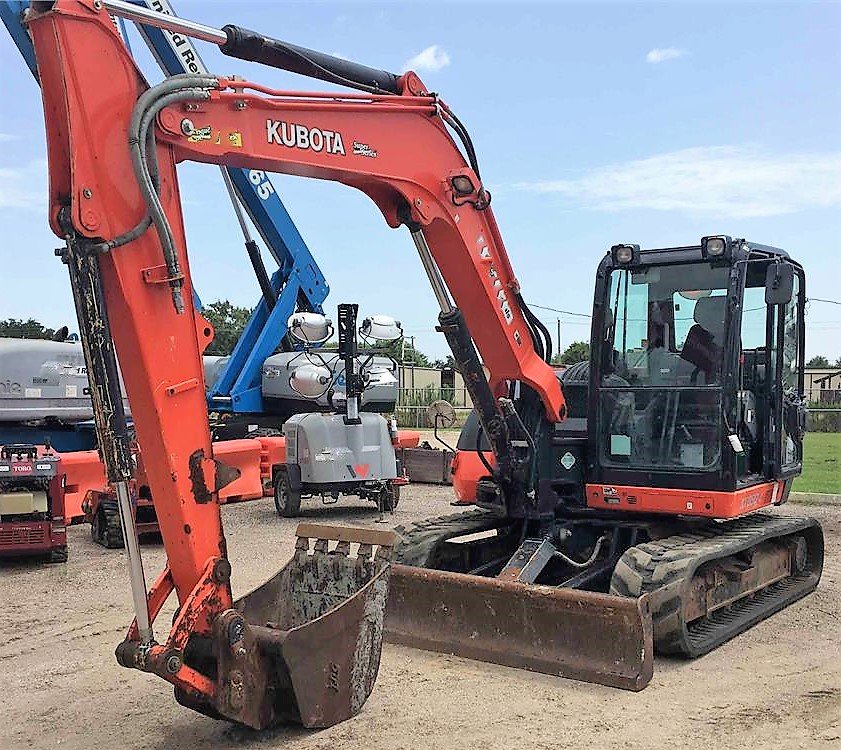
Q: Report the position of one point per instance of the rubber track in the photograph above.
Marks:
(665, 567)
(419, 541)
(112, 536)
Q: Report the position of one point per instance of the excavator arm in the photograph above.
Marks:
(113, 147)
(395, 148)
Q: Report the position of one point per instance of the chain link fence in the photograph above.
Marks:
(412, 405)
(824, 420)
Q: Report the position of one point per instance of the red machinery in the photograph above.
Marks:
(32, 522)
(113, 144)
(256, 462)
(102, 512)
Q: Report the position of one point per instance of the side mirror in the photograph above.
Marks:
(779, 284)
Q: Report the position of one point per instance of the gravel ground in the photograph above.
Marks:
(777, 686)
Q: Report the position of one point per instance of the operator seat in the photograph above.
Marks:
(705, 340)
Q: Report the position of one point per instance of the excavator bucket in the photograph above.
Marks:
(564, 632)
(305, 646)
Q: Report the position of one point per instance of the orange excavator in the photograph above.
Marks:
(586, 549)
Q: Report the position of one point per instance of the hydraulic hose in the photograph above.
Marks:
(450, 118)
(126, 237)
(170, 84)
(589, 561)
(485, 462)
(535, 322)
(150, 194)
(184, 87)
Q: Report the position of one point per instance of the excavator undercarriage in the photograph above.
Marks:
(684, 587)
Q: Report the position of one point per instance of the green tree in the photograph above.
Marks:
(24, 329)
(448, 361)
(818, 361)
(577, 351)
(229, 321)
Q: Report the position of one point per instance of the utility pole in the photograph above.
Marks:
(559, 337)
(412, 338)
(403, 347)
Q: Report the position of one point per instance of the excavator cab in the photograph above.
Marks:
(699, 382)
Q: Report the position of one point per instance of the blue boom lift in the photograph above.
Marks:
(297, 285)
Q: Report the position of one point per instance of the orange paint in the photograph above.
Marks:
(706, 503)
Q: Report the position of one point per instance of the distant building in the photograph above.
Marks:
(822, 384)
(414, 381)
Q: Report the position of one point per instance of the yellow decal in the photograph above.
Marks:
(200, 134)
(235, 138)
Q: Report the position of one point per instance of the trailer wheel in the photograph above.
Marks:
(286, 501)
(390, 496)
(58, 555)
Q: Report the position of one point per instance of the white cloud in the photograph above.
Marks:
(5, 137)
(722, 181)
(662, 54)
(433, 58)
(25, 186)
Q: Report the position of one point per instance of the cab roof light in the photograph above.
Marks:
(716, 246)
(625, 255)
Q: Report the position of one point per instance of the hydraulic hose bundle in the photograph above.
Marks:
(184, 87)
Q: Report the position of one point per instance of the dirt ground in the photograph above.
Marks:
(776, 686)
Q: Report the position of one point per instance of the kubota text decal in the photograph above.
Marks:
(291, 135)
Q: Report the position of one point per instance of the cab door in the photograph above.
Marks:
(770, 390)
(788, 394)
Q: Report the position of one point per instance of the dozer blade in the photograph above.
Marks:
(568, 633)
(305, 646)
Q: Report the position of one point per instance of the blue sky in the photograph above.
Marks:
(595, 123)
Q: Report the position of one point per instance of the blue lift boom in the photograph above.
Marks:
(297, 284)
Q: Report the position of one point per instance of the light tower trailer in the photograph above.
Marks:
(347, 452)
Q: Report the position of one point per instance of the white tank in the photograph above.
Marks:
(41, 379)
